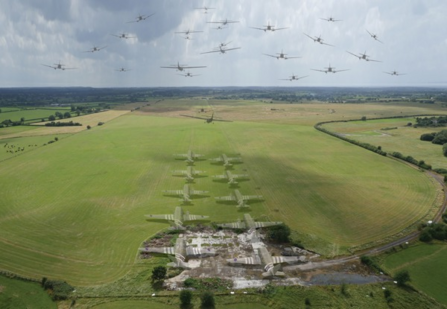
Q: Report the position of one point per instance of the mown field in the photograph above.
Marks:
(74, 210)
(427, 265)
(16, 294)
(403, 139)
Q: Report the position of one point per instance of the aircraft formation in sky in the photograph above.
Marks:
(223, 48)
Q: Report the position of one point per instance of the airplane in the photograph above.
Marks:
(124, 36)
(223, 22)
(207, 120)
(269, 28)
(189, 173)
(58, 66)
(363, 56)
(190, 156)
(330, 69)
(188, 74)
(294, 77)
(281, 55)
(394, 73)
(140, 18)
(188, 32)
(185, 194)
(248, 223)
(122, 70)
(220, 27)
(226, 160)
(95, 49)
(205, 9)
(178, 218)
(263, 257)
(227, 175)
(181, 67)
(221, 49)
(236, 196)
(331, 19)
(317, 39)
(374, 36)
(179, 252)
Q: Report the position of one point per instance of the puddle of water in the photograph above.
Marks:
(340, 278)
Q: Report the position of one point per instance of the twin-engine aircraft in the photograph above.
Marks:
(227, 161)
(185, 194)
(248, 223)
(230, 177)
(190, 156)
(189, 173)
(236, 196)
(263, 257)
(178, 218)
(180, 252)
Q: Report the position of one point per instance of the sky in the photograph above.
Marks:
(35, 33)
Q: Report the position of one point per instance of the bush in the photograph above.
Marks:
(159, 273)
(428, 137)
(185, 298)
(425, 236)
(279, 233)
(444, 150)
(207, 300)
(402, 277)
(440, 138)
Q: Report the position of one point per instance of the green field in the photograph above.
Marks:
(427, 265)
(404, 139)
(16, 294)
(74, 210)
(31, 114)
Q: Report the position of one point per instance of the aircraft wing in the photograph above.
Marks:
(292, 57)
(234, 159)
(180, 172)
(216, 159)
(193, 117)
(336, 71)
(319, 70)
(226, 198)
(222, 120)
(276, 29)
(173, 192)
(352, 54)
(193, 251)
(252, 197)
(309, 36)
(271, 56)
(220, 176)
(245, 261)
(46, 65)
(188, 217)
(162, 217)
(258, 28)
(227, 49)
(240, 176)
(233, 225)
(326, 44)
(198, 67)
(373, 60)
(213, 51)
(197, 192)
(259, 224)
(285, 259)
(174, 67)
(163, 250)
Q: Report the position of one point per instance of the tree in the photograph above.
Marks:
(363, 118)
(279, 233)
(444, 149)
(89, 127)
(158, 273)
(207, 300)
(67, 115)
(402, 277)
(185, 298)
(51, 118)
(22, 119)
(56, 139)
(428, 137)
(440, 138)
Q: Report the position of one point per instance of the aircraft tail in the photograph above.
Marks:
(178, 263)
(274, 271)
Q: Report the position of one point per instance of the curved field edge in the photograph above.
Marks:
(427, 266)
(74, 210)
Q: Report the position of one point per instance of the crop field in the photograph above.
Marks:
(427, 265)
(74, 210)
(30, 114)
(403, 139)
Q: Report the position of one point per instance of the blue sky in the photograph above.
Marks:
(33, 33)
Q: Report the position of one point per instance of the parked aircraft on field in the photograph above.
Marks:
(248, 223)
(185, 194)
(189, 173)
(207, 120)
(230, 177)
(190, 156)
(236, 196)
(178, 218)
(226, 160)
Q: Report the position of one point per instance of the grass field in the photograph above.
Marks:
(30, 114)
(16, 294)
(404, 139)
(74, 210)
(427, 265)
